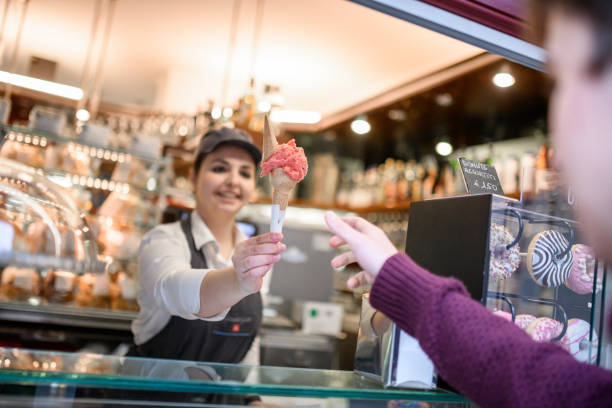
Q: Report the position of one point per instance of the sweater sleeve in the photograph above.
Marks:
(488, 359)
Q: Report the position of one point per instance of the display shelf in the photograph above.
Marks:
(397, 206)
(40, 311)
(122, 223)
(39, 138)
(402, 206)
(154, 187)
(64, 178)
(183, 195)
(17, 367)
(44, 261)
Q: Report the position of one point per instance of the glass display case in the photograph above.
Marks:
(87, 205)
(52, 270)
(545, 278)
(52, 377)
(526, 262)
(48, 249)
(42, 227)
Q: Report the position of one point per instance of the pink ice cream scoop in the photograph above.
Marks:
(286, 164)
(288, 157)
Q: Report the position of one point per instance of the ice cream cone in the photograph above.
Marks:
(286, 164)
(282, 186)
(269, 139)
(281, 183)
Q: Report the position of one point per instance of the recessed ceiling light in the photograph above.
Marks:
(503, 79)
(444, 148)
(361, 126)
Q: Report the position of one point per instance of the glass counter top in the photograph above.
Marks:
(30, 367)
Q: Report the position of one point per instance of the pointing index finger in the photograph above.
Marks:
(340, 228)
(359, 224)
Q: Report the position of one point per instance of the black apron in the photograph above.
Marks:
(225, 341)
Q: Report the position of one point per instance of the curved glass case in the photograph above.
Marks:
(42, 228)
(68, 207)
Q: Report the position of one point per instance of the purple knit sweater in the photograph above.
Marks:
(488, 359)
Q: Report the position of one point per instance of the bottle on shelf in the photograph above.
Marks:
(403, 185)
(390, 178)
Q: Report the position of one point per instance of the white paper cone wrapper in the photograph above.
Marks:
(276, 221)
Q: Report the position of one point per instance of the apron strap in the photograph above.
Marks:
(198, 261)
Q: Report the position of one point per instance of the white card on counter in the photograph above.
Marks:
(414, 367)
(276, 221)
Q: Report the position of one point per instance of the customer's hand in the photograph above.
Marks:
(254, 257)
(369, 246)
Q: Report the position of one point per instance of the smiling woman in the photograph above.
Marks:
(201, 276)
(224, 183)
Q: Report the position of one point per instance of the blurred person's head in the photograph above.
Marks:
(578, 37)
(224, 170)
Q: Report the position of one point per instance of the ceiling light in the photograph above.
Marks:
(40, 85)
(503, 79)
(264, 106)
(82, 115)
(215, 112)
(361, 126)
(228, 112)
(295, 116)
(444, 148)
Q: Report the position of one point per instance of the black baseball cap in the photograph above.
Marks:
(217, 137)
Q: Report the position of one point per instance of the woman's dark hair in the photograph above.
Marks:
(198, 162)
(598, 12)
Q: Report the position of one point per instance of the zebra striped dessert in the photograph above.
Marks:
(544, 262)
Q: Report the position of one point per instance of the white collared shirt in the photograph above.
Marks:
(169, 286)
